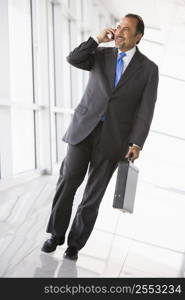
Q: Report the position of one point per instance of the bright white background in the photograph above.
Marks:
(39, 91)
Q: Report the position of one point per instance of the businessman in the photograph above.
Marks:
(110, 124)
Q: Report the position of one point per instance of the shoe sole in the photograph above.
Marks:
(69, 257)
(50, 251)
(47, 250)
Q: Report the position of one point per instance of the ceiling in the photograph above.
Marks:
(153, 12)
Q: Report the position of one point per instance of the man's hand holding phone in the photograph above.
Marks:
(106, 35)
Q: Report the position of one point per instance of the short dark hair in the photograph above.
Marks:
(140, 24)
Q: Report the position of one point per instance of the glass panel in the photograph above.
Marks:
(62, 69)
(21, 51)
(65, 2)
(76, 74)
(23, 140)
(62, 122)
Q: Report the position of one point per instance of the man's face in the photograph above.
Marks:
(125, 35)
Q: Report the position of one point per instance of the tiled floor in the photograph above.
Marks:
(148, 243)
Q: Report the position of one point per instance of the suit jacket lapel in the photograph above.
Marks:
(133, 66)
(110, 66)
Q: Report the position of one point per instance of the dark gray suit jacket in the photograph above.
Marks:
(128, 108)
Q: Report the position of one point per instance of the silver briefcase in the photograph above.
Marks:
(125, 189)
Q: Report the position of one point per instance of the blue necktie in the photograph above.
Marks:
(119, 71)
(119, 67)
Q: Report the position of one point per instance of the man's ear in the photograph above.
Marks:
(139, 37)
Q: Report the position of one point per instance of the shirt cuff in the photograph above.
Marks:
(95, 38)
(135, 146)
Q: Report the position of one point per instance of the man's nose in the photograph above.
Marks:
(119, 31)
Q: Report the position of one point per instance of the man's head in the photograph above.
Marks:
(129, 32)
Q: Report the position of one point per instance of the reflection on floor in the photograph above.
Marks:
(148, 243)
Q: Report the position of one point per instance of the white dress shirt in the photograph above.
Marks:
(129, 54)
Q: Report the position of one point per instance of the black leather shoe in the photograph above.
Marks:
(51, 244)
(71, 253)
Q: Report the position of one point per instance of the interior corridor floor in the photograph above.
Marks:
(148, 243)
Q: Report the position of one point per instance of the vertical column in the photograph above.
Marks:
(44, 78)
(5, 109)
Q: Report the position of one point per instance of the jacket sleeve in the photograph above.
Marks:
(145, 111)
(82, 57)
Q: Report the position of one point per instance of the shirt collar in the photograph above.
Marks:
(130, 52)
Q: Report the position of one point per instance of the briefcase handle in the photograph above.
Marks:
(133, 165)
(130, 160)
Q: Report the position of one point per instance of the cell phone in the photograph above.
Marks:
(110, 36)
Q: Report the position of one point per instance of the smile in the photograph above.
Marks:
(119, 39)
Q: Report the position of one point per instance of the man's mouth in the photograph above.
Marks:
(119, 39)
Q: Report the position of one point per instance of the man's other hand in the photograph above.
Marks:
(133, 153)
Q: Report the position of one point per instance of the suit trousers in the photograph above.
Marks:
(84, 157)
